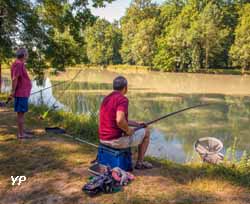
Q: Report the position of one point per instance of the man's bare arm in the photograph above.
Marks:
(14, 86)
(122, 123)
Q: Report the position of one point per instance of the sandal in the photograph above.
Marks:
(143, 165)
(26, 136)
(29, 132)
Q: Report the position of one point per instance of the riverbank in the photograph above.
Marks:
(137, 68)
(56, 169)
(200, 71)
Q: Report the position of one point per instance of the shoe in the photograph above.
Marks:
(143, 165)
(25, 136)
(29, 132)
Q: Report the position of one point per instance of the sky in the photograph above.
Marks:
(115, 10)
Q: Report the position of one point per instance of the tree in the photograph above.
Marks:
(196, 38)
(208, 37)
(144, 46)
(64, 51)
(169, 11)
(240, 50)
(17, 19)
(173, 52)
(139, 30)
(103, 41)
(32, 23)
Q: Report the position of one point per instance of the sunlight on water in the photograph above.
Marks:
(154, 94)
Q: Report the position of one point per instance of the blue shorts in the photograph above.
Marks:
(21, 104)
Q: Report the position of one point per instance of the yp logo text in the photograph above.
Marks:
(18, 180)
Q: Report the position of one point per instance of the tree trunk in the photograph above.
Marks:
(206, 55)
(0, 78)
(243, 68)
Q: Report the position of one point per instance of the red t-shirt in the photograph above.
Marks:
(108, 129)
(24, 85)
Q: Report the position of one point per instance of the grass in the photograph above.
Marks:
(56, 169)
(83, 126)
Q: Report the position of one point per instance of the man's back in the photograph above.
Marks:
(108, 129)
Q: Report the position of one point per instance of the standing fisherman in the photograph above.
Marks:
(21, 87)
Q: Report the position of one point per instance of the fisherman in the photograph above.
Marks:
(114, 130)
(21, 87)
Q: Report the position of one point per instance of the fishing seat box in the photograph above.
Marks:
(115, 157)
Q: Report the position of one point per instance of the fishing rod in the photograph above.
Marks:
(53, 105)
(81, 140)
(59, 83)
(168, 115)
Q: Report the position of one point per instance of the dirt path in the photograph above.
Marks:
(56, 169)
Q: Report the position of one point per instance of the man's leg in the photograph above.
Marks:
(20, 124)
(142, 148)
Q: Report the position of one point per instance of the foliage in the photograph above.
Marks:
(173, 52)
(103, 41)
(240, 51)
(64, 51)
(54, 27)
(139, 29)
(208, 36)
(194, 39)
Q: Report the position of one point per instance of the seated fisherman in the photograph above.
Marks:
(114, 130)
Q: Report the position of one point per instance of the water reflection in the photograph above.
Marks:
(153, 95)
(44, 97)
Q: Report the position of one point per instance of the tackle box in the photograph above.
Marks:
(115, 157)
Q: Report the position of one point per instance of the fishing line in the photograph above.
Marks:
(53, 105)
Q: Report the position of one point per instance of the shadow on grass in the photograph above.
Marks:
(19, 158)
(50, 189)
(186, 173)
(180, 197)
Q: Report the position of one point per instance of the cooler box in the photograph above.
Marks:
(115, 157)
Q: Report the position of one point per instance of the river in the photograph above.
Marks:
(153, 94)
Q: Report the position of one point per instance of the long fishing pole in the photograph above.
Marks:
(168, 115)
(59, 83)
(52, 107)
(81, 140)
